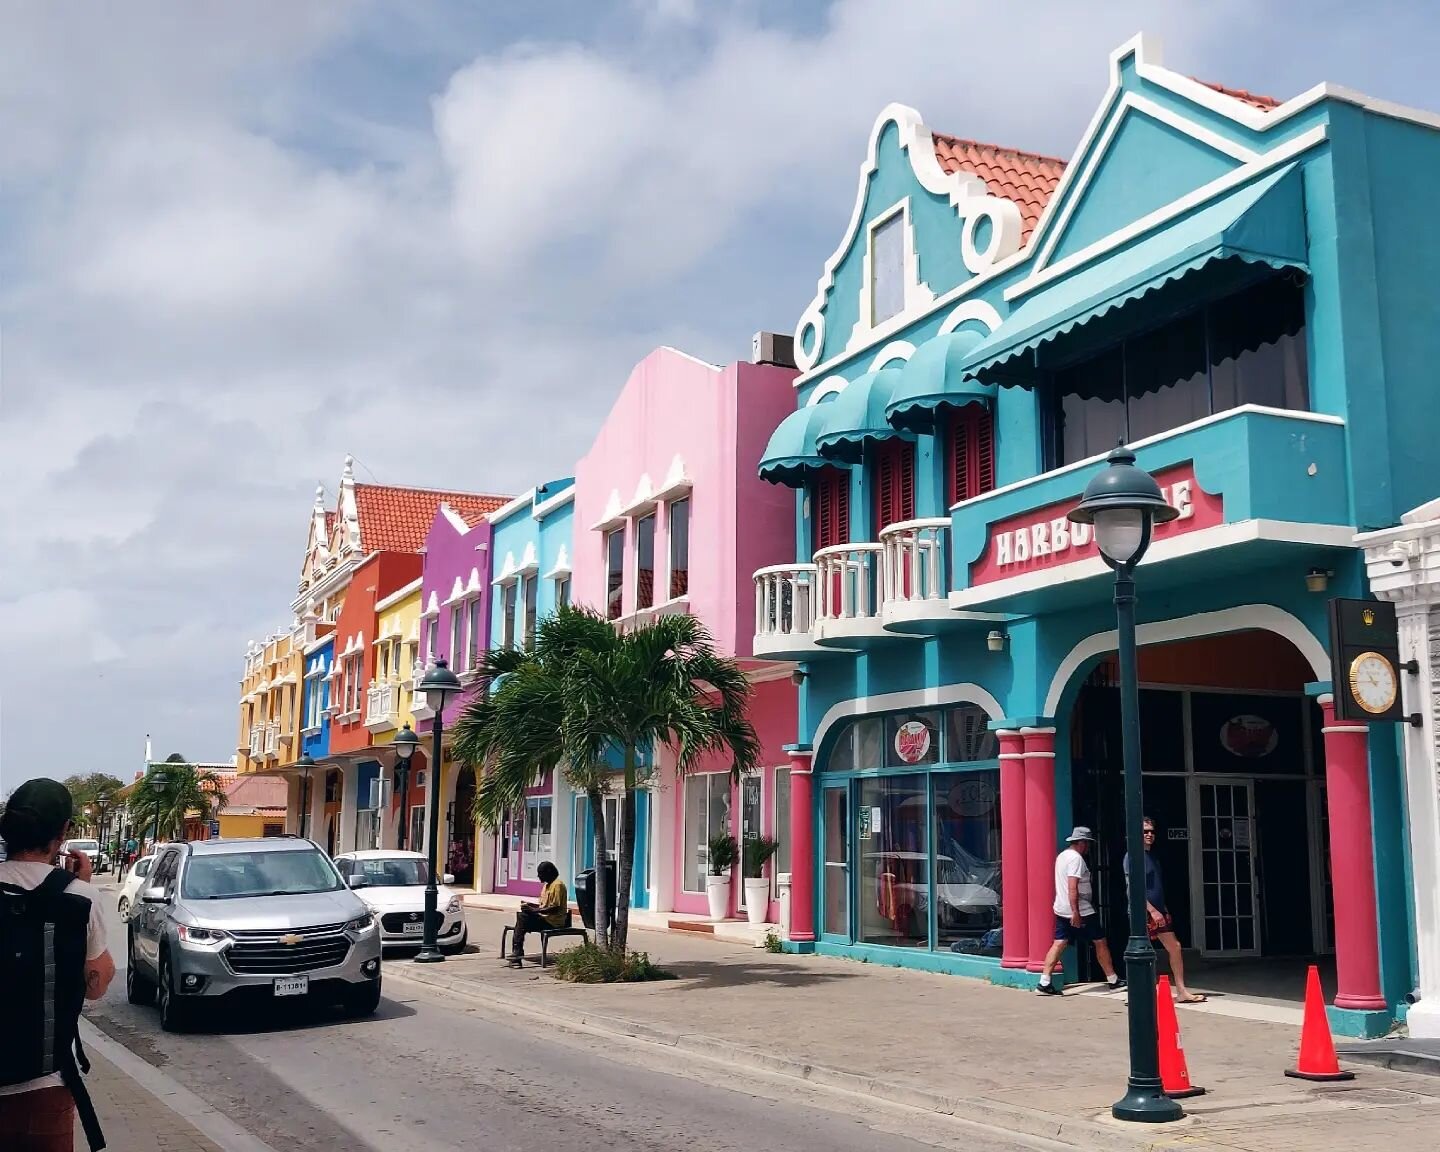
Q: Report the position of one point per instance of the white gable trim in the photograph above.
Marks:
(400, 594)
(454, 518)
(524, 500)
(559, 500)
(918, 143)
(895, 350)
(981, 311)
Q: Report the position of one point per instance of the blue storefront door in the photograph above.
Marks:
(583, 847)
(835, 858)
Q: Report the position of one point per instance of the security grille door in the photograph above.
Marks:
(1227, 867)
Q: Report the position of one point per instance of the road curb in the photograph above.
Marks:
(211, 1123)
(989, 1114)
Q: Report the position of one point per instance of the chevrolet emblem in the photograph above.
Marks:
(291, 938)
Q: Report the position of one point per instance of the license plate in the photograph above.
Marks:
(292, 985)
(413, 927)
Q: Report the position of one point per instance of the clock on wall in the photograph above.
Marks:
(1373, 683)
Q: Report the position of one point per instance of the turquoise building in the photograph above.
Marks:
(1240, 290)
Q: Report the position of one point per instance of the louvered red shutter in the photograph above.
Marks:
(830, 513)
(972, 453)
(894, 479)
(905, 483)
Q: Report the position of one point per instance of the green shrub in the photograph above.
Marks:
(773, 943)
(591, 964)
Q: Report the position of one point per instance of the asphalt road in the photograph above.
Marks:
(427, 1074)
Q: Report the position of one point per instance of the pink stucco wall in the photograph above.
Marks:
(717, 421)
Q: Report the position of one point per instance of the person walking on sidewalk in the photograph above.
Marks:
(551, 912)
(1157, 917)
(53, 956)
(1076, 920)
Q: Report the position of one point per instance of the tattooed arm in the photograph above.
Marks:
(98, 974)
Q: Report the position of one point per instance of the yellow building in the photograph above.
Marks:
(270, 696)
(390, 699)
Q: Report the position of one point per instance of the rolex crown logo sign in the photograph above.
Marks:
(1368, 616)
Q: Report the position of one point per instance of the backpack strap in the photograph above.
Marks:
(55, 883)
(72, 1064)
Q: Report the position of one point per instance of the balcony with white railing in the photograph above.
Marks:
(272, 740)
(382, 707)
(257, 741)
(785, 612)
(849, 582)
(914, 589)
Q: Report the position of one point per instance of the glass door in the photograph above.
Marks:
(835, 874)
(749, 825)
(1225, 836)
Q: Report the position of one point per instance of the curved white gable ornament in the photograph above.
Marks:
(561, 566)
(472, 587)
(433, 607)
(830, 386)
(967, 194)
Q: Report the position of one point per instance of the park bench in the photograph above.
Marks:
(546, 935)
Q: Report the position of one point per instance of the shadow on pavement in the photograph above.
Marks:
(706, 974)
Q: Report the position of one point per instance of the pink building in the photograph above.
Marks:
(670, 516)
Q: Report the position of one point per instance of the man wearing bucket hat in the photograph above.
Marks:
(1076, 920)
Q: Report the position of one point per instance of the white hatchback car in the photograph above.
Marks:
(134, 882)
(392, 883)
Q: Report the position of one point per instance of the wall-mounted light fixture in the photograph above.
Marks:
(996, 641)
(1317, 580)
(797, 677)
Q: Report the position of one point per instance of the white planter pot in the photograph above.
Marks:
(717, 891)
(757, 899)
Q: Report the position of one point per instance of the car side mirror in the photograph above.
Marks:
(356, 881)
(448, 878)
(154, 896)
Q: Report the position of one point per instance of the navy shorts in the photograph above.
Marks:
(1090, 929)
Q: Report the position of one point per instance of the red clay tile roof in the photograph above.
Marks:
(1023, 177)
(1264, 103)
(398, 519)
(254, 792)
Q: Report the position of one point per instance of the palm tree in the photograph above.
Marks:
(586, 694)
(186, 789)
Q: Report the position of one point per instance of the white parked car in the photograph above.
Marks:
(134, 882)
(392, 883)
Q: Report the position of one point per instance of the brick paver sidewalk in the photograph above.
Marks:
(133, 1120)
(1010, 1058)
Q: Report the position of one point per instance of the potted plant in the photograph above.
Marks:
(758, 850)
(722, 853)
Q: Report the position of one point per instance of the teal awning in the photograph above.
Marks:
(790, 458)
(934, 378)
(858, 415)
(1262, 223)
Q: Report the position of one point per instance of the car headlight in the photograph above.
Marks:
(191, 935)
(453, 908)
(360, 923)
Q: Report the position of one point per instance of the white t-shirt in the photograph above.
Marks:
(31, 874)
(1071, 864)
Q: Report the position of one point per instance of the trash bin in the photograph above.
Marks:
(585, 894)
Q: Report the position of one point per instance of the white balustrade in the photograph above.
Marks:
(257, 741)
(914, 567)
(784, 600)
(382, 703)
(846, 581)
(272, 739)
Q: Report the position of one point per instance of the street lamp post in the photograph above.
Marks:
(405, 744)
(1124, 503)
(158, 780)
(103, 804)
(439, 684)
(306, 762)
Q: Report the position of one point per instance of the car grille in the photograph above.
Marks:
(257, 953)
(396, 921)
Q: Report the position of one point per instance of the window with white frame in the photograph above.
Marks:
(472, 642)
(507, 615)
(887, 269)
(614, 573)
(707, 815)
(427, 640)
(562, 591)
(457, 637)
(782, 820)
(354, 666)
(677, 518)
(645, 562)
(528, 606)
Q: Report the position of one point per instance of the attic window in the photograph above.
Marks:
(887, 269)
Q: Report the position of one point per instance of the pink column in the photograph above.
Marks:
(802, 846)
(1352, 861)
(1015, 916)
(1039, 840)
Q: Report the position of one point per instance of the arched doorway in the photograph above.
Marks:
(461, 860)
(1233, 763)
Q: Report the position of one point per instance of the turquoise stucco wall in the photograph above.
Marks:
(547, 535)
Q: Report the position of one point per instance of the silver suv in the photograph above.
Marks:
(269, 918)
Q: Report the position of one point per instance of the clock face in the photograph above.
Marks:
(1372, 682)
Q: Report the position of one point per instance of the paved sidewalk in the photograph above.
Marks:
(133, 1120)
(1045, 1067)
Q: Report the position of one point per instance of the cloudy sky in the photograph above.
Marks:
(238, 241)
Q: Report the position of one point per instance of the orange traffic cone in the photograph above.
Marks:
(1174, 1075)
(1317, 1049)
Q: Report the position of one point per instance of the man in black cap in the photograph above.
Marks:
(51, 922)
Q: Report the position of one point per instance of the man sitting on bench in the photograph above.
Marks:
(553, 911)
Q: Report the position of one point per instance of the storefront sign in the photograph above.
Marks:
(973, 797)
(1044, 538)
(912, 741)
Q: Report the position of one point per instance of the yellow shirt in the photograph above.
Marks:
(555, 903)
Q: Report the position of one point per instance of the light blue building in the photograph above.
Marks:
(530, 573)
(1242, 291)
(314, 722)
